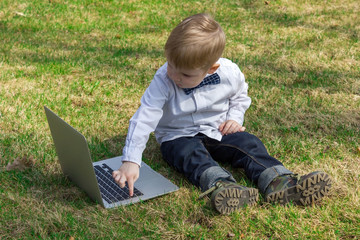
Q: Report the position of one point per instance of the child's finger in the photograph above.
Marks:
(226, 128)
(131, 186)
(116, 175)
(232, 127)
(122, 181)
(221, 127)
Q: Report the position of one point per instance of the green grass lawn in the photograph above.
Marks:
(90, 61)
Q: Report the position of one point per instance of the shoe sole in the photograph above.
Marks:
(229, 199)
(310, 190)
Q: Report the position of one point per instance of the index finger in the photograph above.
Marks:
(131, 186)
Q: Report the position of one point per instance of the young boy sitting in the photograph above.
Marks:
(196, 105)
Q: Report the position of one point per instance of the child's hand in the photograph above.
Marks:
(128, 172)
(230, 126)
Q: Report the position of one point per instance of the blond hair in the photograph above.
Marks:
(197, 42)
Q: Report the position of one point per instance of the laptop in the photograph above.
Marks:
(95, 178)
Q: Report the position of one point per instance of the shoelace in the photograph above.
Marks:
(297, 176)
(210, 190)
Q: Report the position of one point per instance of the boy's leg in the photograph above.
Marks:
(246, 151)
(189, 156)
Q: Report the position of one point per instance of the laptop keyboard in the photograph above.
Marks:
(110, 191)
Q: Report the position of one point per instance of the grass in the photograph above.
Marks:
(90, 61)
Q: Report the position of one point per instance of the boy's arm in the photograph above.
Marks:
(144, 121)
(141, 125)
(238, 104)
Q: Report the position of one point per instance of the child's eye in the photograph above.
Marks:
(186, 75)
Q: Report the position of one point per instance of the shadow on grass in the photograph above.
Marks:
(278, 15)
(60, 51)
(287, 19)
(46, 188)
(295, 77)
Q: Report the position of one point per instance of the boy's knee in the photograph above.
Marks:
(247, 136)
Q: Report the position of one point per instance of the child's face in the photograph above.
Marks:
(185, 78)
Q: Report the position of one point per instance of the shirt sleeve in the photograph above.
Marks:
(239, 102)
(145, 119)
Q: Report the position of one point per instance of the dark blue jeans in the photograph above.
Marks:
(197, 158)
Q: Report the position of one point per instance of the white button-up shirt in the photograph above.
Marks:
(167, 110)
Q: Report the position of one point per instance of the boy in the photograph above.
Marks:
(196, 105)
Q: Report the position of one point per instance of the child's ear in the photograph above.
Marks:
(213, 68)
